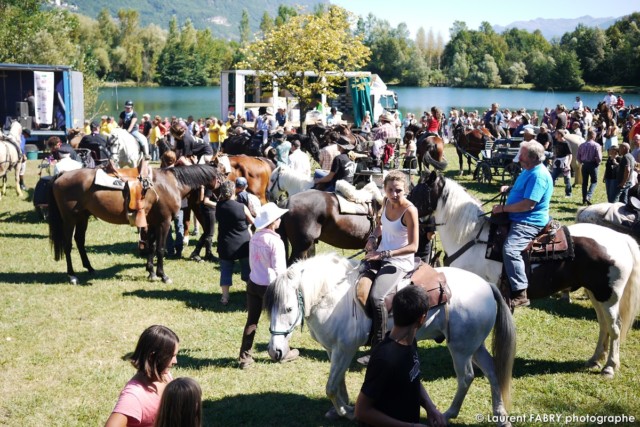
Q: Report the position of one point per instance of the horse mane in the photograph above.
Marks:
(195, 175)
(294, 181)
(461, 210)
(316, 277)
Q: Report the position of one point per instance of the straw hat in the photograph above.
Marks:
(268, 214)
(386, 117)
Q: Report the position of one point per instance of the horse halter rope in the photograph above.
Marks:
(299, 318)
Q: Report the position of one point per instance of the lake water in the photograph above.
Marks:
(205, 101)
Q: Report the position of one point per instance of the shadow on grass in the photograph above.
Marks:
(30, 216)
(198, 300)
(23, 236)
(122, 248)
(269, 409)
(61, 278)
(561, 308)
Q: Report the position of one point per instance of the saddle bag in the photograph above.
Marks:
(498, 231)
(434, 282)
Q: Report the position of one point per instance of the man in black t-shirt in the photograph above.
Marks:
(341, 168)
(626, 165)
(392, 390)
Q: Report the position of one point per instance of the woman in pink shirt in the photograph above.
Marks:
(139, 401)
(267, 259)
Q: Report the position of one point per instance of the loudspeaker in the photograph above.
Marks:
(22, 109)
(26, 122)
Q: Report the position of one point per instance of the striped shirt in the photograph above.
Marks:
(385, 131)
(589, 152)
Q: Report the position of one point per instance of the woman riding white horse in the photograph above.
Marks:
(321, 291)
(10, 157)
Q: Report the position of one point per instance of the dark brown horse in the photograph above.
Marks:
(315, 215)
(73, 198)
(429, 149)
(469, 143)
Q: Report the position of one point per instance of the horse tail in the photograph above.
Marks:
(503, 345)
(56, 230)
(630, 302)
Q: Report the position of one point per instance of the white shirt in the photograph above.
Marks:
(578, 105)
(299, 162)
(66, 164)
(610, 100)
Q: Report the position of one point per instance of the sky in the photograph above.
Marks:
(440, 15)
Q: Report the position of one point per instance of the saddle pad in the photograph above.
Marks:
(619, 214)
(107, 181)
(434, 282)
(351, 208)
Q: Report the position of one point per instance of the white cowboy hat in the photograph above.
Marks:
(386, 117)
(269, 111)
(268, 214)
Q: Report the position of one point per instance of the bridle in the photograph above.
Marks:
(299, 318)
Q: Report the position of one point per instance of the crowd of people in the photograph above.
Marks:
(247, 233)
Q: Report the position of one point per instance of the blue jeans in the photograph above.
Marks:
(321, 173)
(154, 152)
(176, 246)
(589, 171)
(622, 194)
(144, 144)
(612, 189)
(567, 180)
(517, 240)
(226, 270)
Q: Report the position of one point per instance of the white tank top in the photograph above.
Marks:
(395, 236)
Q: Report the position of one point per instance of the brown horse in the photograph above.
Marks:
(429, 149)
(73, 198)
(470, 143)
(315, 215)
(257, 171)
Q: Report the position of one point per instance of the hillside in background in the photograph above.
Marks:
(221, 16)
(551, 28)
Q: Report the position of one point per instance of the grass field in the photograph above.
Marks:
(63, 348)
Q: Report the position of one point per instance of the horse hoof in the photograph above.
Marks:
(593, 364)
(608, 372)
(153, 278)
(166, 280)
(73, 280)
(332, 415)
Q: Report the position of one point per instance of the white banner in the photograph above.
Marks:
(43, 84)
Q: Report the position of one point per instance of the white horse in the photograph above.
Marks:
(285, 182)
(124, 148)
(10, 158)
(598, 214)
(321, 291)
(606, 263)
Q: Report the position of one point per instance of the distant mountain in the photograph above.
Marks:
(221, 16)
(551, 28)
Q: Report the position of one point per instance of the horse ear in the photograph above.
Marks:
(432, 177)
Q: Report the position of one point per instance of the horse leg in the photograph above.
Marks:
(68, 242)
(601, 347)
(483, 359)
(79, 236)
(161, 240)
(18, 189)
(460, 161)
(336, 389)
(152, 248)
(464, 373)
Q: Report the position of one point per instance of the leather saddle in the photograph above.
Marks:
(137, 182)
(553, 243)
(425, 276)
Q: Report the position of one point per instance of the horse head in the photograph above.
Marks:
(427, 192)
(113, 145)
(275, 190)
(284, 303)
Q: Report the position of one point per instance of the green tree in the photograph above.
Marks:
(323, 44)
(284, 14)
(267, 23)
(567, 73)
(243, 28)
(459, 70)
(516, 73)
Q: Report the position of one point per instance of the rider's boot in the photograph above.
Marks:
(379, 329)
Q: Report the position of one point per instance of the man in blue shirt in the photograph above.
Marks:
(528, 209)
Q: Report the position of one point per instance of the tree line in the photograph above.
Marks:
(119, 48)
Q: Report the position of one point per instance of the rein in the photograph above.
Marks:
(300, 318)
(450, 259)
